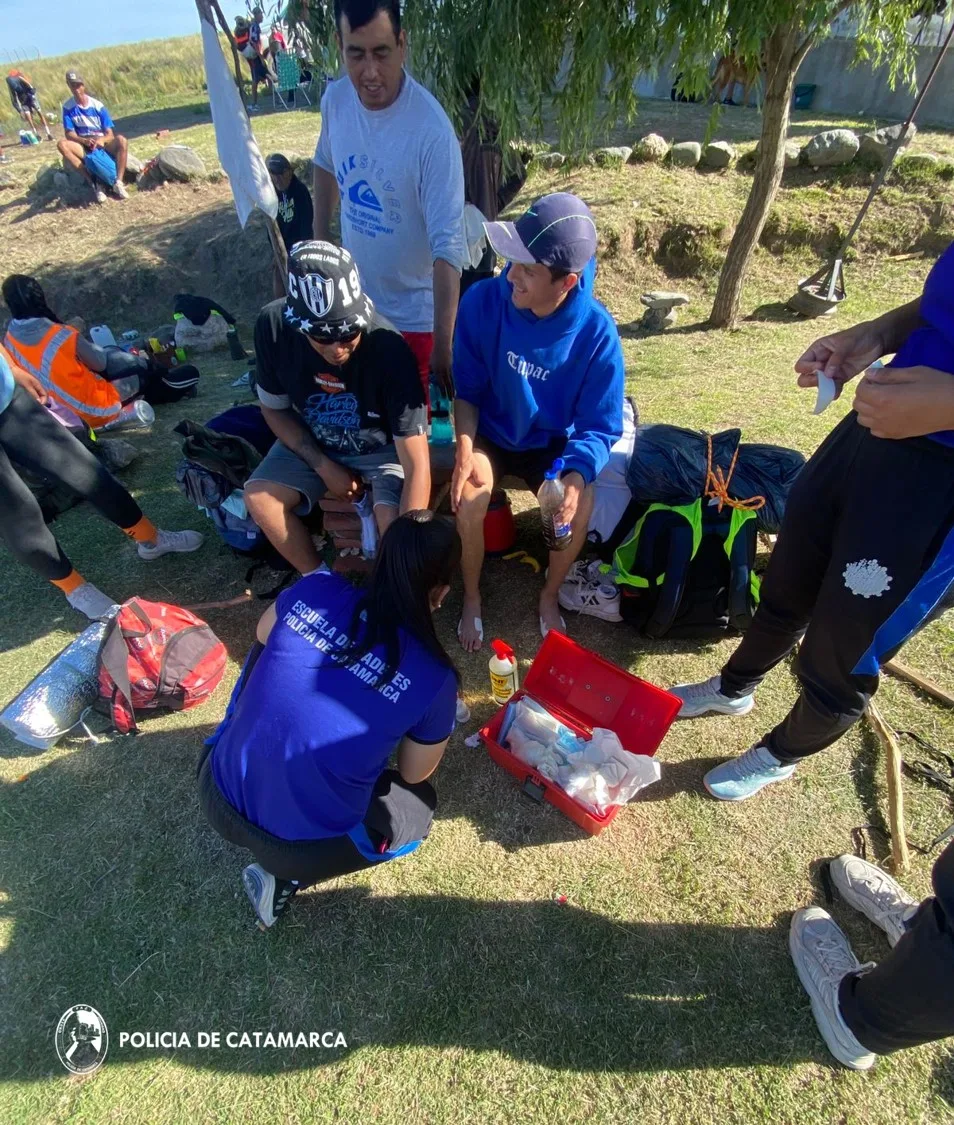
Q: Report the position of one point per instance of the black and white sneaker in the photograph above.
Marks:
(269, 896)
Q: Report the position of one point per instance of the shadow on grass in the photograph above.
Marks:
(775, 312)
(120, 896)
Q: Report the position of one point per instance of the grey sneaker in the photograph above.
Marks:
(98, 194)
(167, 541)
(119, 190)
(823, 957)
(872, 891)
(706, 698)
(594, 599)
(269, 896)
(89, 599)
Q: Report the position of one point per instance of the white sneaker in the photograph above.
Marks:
(119, 190)
(581, 573)
(706, 698)
(596, 599)
(98, 194)
(89, 599)
(167, 541)
(742, 777)
(872, 891)
(822, 959)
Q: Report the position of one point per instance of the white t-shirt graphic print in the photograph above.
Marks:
(401, 183)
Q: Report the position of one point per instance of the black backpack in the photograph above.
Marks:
(688, 570)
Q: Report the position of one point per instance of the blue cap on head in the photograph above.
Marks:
(557, 230)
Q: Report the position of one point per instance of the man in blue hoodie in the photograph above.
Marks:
(538, 369)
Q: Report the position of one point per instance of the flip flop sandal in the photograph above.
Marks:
(478, 625)
(544, 629)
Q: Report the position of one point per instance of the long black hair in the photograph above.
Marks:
(417, 553)
(24, 297)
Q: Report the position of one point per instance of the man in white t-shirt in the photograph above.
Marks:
(389, 155)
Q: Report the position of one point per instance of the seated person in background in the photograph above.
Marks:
(342, 395)
(295, 211)
(25, 102)
(298, 770)
(87, 126)
(35, 440)
(538, 368)
(91, 381)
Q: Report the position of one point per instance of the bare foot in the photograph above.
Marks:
(470, 630)
(550, 617)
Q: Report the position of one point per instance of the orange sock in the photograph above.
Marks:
(71, 582)
(143, 532)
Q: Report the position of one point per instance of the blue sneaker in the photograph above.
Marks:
(269, 896)
(743, 777)
(706, 698)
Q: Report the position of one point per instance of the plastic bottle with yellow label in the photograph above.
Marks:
(503, 672)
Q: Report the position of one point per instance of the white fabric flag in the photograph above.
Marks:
(239, 153)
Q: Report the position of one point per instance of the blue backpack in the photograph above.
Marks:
(101, 166)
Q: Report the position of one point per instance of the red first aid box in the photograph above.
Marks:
(585, 691)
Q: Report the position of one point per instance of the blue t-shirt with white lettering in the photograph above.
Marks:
(90, 120)
(305, 739)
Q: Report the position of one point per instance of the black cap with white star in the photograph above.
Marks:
(325, 299)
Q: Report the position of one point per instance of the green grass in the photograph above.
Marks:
(132, 76)
(661, 992)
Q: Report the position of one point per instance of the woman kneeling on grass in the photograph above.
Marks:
(341, 678)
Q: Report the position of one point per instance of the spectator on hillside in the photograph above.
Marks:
(25, 101)
(295, 211)
(539, 372)
(388, 154)
(89, 129)
(341, 394)
(257, 55)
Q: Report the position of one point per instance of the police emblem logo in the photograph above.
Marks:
(82, 1039)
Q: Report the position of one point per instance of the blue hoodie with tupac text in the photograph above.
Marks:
(535, 379)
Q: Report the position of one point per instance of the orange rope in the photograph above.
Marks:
(717, 484)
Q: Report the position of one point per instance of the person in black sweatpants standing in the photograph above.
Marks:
(865, 555)
(865, 1010)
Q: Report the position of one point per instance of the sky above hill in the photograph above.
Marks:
(57, 27)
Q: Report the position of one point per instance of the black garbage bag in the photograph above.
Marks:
(669, 463)
(769, 471)
(670, 466)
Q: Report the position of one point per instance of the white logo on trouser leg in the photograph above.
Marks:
(867, 578)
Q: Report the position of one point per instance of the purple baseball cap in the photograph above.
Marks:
(556, 230)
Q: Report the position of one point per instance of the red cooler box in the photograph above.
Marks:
(585, 691)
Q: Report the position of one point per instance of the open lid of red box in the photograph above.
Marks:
(568, 677)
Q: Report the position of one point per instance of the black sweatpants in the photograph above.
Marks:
(909, 997)
(32, 437)
(398, 814)
(863, 523)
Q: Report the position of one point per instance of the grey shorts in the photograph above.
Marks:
(380, 470)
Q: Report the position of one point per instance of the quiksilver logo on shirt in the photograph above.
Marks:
(526, 369)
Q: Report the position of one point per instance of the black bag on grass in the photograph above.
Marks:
(688, 571)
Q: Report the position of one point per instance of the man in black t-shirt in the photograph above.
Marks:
(342, 394)
(296, 215)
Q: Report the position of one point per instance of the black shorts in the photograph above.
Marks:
(259, 71)
(25, 102)
(528, 465)
(398, 815)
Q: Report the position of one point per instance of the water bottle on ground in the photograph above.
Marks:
(557, 536)
(136, 415)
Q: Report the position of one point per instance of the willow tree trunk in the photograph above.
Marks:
(782, 55)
